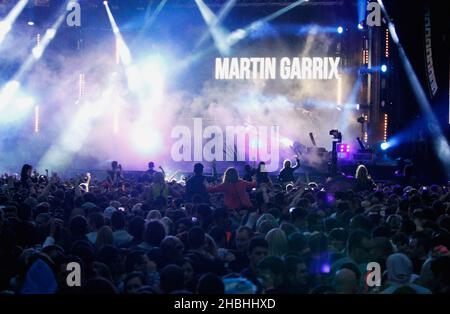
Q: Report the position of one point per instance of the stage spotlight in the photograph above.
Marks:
(441, 145)
(340, 30)
(31, 23)
(146, 139)
(26, 102)
(10, 88)
(242, 33)
(383, 68)
(361, 7)
(69, 142)
(8, 92)
(343, 148)
(7, 23)
(385, 145)
(37, 52)
(18, 111)
(4, 29)
(360, 26)
(218, 33)
(343, 151)
(105, 2)
(152, 74)
(147, 80)
(51, 33)
(286, 142)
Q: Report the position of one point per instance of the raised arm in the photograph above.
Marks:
(298, 163)
(53, 180)
(214, 171)
(88, 182)
(162, 170)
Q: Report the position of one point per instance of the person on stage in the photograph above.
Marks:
(262, 176)
(287, 173)
(147, 176)
(249, 172)
(115, 174)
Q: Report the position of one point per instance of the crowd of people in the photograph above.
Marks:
(212, 235)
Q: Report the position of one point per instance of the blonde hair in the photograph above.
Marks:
(362, 172)
(287, 163)
(231, 175)
(277, 240)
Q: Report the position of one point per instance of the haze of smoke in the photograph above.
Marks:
(54, 82)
